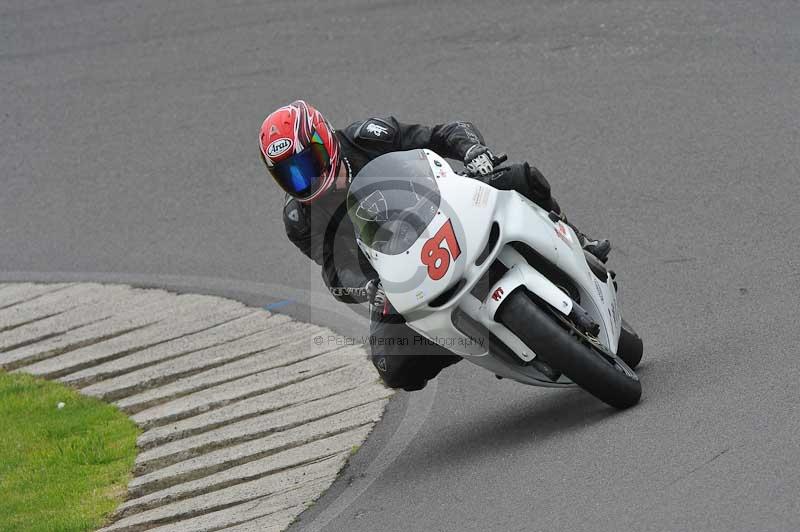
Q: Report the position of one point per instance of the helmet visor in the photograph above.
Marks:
(299, 175)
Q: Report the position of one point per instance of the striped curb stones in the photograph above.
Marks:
(246, 419)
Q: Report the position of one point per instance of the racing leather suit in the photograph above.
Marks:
(323, 231)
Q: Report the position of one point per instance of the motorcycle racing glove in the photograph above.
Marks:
(375, 294)
(478, 160)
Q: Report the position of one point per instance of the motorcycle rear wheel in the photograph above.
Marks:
(582, 359)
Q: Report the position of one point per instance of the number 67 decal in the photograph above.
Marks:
(436, 257)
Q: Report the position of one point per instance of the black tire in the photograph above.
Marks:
(566, 353)
(630, 346)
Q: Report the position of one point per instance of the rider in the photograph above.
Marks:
(314, 164)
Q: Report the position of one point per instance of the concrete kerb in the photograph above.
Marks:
(246, 419)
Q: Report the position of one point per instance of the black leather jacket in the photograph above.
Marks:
(323, 231)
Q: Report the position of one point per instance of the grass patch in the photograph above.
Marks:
(61, 469)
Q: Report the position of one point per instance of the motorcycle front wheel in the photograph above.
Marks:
(630, 347)
(564, 348)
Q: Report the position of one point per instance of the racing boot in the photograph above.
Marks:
(600, 248)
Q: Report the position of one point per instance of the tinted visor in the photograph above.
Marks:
(299, 175)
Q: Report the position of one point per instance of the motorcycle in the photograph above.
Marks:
(493, 277)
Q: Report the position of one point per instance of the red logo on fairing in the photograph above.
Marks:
(561, 232)
(498, 294)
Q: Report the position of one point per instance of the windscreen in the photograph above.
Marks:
(392, 200)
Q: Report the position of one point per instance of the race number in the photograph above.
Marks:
(436, 257)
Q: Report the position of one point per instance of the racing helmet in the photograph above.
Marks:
(300, 150)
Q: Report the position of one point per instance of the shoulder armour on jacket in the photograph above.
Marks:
(376, 129)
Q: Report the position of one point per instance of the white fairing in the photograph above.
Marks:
(471, 208)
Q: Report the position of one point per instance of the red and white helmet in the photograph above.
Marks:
(300, 150)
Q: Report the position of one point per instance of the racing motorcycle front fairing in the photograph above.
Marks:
(438, 240)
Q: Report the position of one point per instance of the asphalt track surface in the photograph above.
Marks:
(128, 153)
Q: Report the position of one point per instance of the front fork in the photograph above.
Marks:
(521, 273)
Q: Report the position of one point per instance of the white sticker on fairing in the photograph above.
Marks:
(279, 147)
(480, 197)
